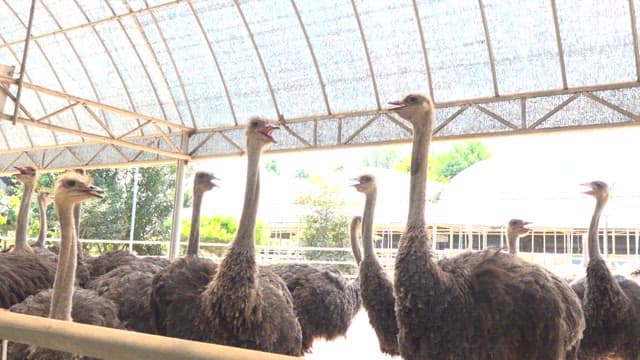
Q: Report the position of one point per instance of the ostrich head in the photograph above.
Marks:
(203, 181)
(258, 133)
(413, 107)
(365, 183)
(45, 198)
(80, 171)
(27, 175)
(517, 227)
(598, 189)
(73, 188)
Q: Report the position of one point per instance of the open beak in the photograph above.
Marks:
(95, 192)
(213, 183)
(590, 191)
(266, 131)
(524, 226)
(397, 105)
(20, 169)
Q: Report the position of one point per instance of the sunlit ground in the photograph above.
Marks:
(360, 343)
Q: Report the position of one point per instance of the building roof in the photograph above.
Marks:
(144, 82)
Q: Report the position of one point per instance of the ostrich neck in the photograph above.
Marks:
(23, 218)
(355, 245)
(77, 212)
(594, 249)
(194, 234)
(418, 185)
(512, 243)
(245, 238)
(42, 234)
(66, 271)
(367, 223)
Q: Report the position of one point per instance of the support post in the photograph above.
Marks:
(134, 202)
(174, 245)
(23, 65)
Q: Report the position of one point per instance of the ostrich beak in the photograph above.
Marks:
(590, 191)
(398, 105)
(95, 191)
(20, 169)
(266, 131)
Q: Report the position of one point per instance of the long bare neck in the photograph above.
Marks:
(419, 163)
(245, 238)
(61, 299)
(22, 222)
(367, 223)
(194, 234)
(77, 213)
(42, 234)
(512, 242)
(353, 237)
(594, 249)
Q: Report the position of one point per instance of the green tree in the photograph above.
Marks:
(217, 229)
(271, 166)
(301, 174)
(444, 166)
(386, 158)
(322, 223)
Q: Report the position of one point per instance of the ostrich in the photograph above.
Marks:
(44, 200)
(375, 286)
(87, 306)
(24, 273)
(27, 176)
(611, 304)
(324, 301)
(355, 228)
(515, 229)
(241, 305)
(478, 305)
(202, 183)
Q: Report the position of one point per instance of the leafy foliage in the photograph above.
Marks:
(444, 166)
(448, 164)
(271, 166)
(217, 229)
(386, 158)
(322, 224)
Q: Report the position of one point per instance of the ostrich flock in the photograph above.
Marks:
(488, 304)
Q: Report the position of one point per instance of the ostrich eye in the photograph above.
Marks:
(366, 178)
(71, 183)
(412, 98)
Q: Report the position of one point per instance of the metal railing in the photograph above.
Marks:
(106, 343)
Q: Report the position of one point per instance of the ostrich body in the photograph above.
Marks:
(28, 177)
(515, 229)
(203, 182)
(324, 301)
(44, 199)
(24, 273)
(241, 305)
(611, 304)
(88, 306)
(129, 287)
(478, 305)
(375, 286)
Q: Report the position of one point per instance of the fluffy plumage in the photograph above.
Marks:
(129, 287)
(611, 304)
(375, 286)
(88, 308)
(23, 275)
(481, 305)
(325, 302)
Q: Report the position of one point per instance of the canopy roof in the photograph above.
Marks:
(149, 81)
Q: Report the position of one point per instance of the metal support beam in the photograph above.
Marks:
(106, 343)
(110, 108)
(174, 245)
(23, 65)
(103, 139)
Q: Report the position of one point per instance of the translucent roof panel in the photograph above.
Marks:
(457, 49)
(126, 78)
(597, 41)
(524, 45)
